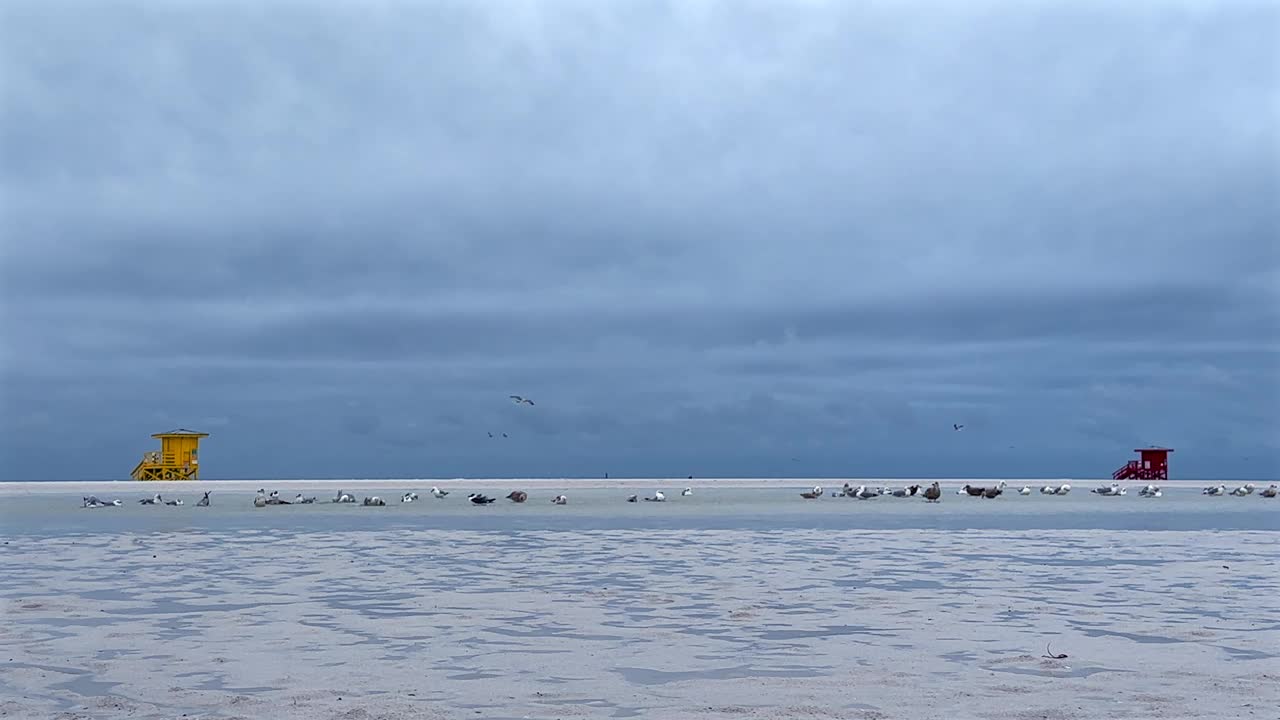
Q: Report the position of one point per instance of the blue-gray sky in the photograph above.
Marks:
(708, 238)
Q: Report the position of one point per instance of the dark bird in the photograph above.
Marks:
(490, 434)
(518, 496)
(933, 493)
(204, 501)
(520, 400)
(632, 498)
(957, 427)
(504, 434)
(479, 499)
(816, 492)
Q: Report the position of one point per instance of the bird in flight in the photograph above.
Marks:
(518, 400)
(957, 427)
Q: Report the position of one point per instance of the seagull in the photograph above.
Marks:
(343, 497)
(1246, 489)
(1216, 490)
(1047, 490)
(260, 500)
(520, 400)
(438, 492)
(933, 493)
(657, 497)
(1063, 489)
(1150, 491)
(1026, 490)
(518, 496)
(173, 502)
(1271, 491)
(862, 493)
(374, 501)
(155, 500)
(480, 499)
(816, 492)
(957, 427)
(560, 500)
(299, 500)
(204, 501)
(409, 497)
(908, 491)
(632, 498)
(686, 492)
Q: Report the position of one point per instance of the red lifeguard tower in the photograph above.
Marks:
(1153, 465)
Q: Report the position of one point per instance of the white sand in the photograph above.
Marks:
(655, 624)
(102, 486)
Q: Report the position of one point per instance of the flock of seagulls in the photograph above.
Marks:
(933, 493)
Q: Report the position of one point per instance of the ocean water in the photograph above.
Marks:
(709, 508)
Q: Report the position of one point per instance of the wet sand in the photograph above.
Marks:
(687, 623)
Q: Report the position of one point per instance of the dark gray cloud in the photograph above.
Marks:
(715, 238)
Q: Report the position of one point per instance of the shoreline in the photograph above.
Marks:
(60, 486)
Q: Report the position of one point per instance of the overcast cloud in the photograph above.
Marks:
(707, 238)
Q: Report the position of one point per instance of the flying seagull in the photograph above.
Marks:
(518, 400)
(957, 427)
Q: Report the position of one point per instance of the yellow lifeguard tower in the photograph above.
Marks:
(178, 458)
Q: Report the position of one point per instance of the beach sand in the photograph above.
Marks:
(106, 487)
(708, 624)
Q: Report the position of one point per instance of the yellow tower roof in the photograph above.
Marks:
(180, 432)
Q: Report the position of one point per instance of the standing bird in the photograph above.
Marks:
(520, 400)
(933, 493)
(438, 492)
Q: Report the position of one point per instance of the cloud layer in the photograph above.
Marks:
(708, 238)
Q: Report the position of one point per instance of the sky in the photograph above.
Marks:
(718, 239)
